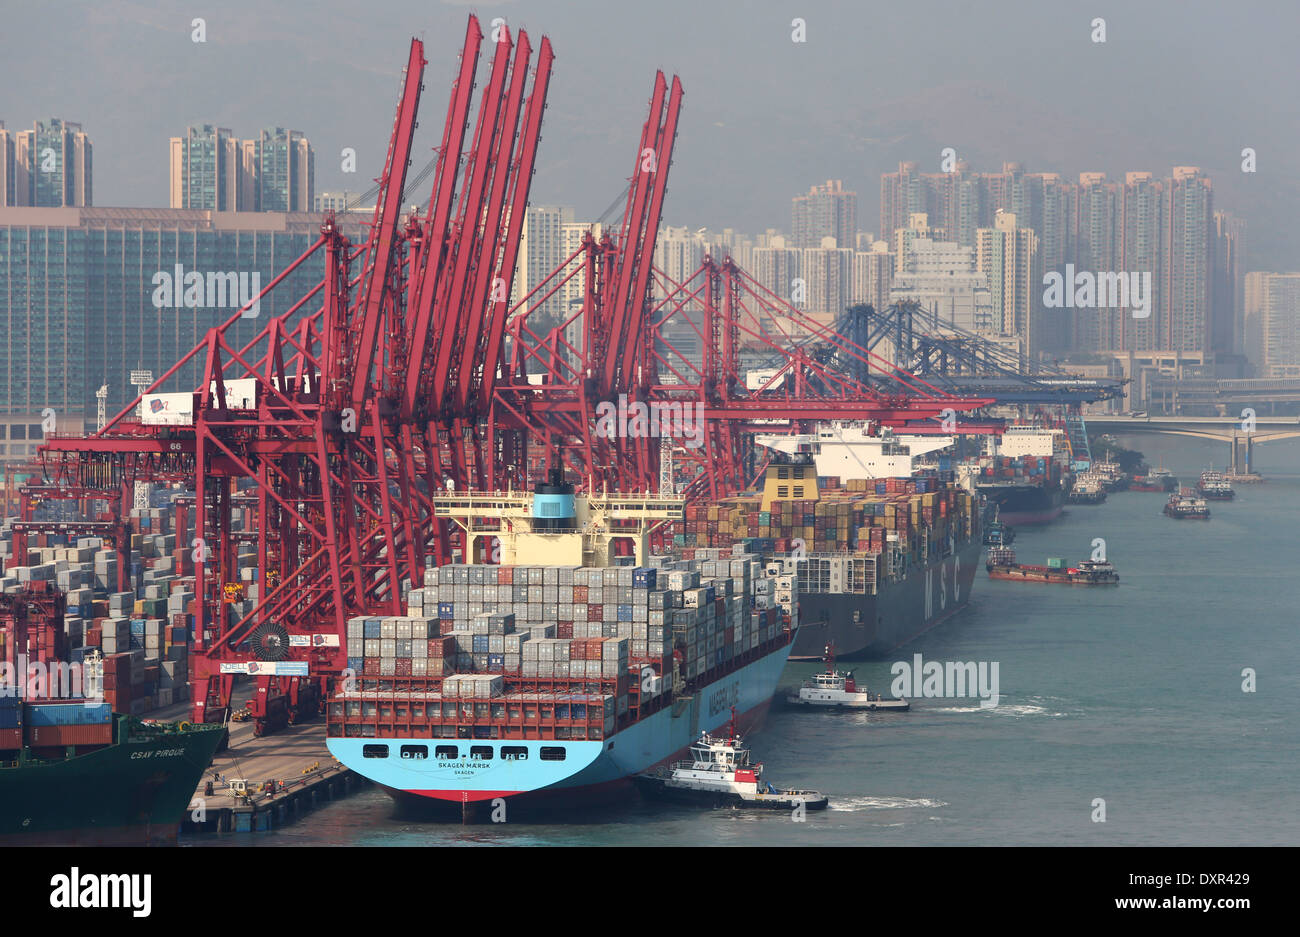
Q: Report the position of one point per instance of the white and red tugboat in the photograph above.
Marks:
(836, 690)
(720, 774)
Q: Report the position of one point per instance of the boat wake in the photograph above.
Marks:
(1033, 707)
(853, 804)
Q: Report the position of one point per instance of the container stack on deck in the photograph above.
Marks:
(505, 649)
(923, 512)
(1029, 469)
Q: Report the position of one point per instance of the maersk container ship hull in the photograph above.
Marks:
(874, 625)
(590, 771)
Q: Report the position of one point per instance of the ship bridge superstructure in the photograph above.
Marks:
(586, 537)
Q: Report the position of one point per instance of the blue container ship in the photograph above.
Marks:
(553, 678)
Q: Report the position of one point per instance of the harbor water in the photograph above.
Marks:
(1127, 699)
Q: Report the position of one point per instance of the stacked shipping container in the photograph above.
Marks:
(559, 650)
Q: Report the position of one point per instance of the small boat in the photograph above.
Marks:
(1110, 474)
(1213, 486)
(838, 690)
(1089, 488)
(1184, 504)
(1002, 564)
(1158, 479)
(720, 774)
(998, 534)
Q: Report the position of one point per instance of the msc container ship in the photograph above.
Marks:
(555, 677)
(883, 547)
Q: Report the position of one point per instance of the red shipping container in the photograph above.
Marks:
(94, 637)
(42, 736)
(11, 739)
(595, 612)
(403, 666)
(564, 629)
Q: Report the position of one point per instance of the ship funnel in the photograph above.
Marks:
(553, 503)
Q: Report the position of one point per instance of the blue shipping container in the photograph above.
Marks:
(68, 714)
(370, 629)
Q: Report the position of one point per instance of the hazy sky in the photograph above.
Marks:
(1176, 83)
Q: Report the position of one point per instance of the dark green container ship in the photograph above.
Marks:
(135, 789)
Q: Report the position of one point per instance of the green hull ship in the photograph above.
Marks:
(133, 791)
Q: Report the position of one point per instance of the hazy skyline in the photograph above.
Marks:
(764, 117)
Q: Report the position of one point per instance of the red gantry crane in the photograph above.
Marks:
(406, 371)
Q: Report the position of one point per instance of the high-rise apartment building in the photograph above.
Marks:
(205, 167)
(1096, 240)
(1227, 275)
(873, 275)
(541, 251)
(777, 267)
(49, 166)
(1279, 324)
(573, 292)
(1187, 262)
(826, 211)
(943, 279)
(1252, 318)
(9, 168)
(1141, 250)
(286, 171)
(902, 195)
(827, 272)
(1008, 257)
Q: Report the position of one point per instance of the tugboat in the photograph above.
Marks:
(998, 534)
(1214, 487)
(836, 690)
(1110, 474)
(1184, 504)
(720, 774)
(1002, 565)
